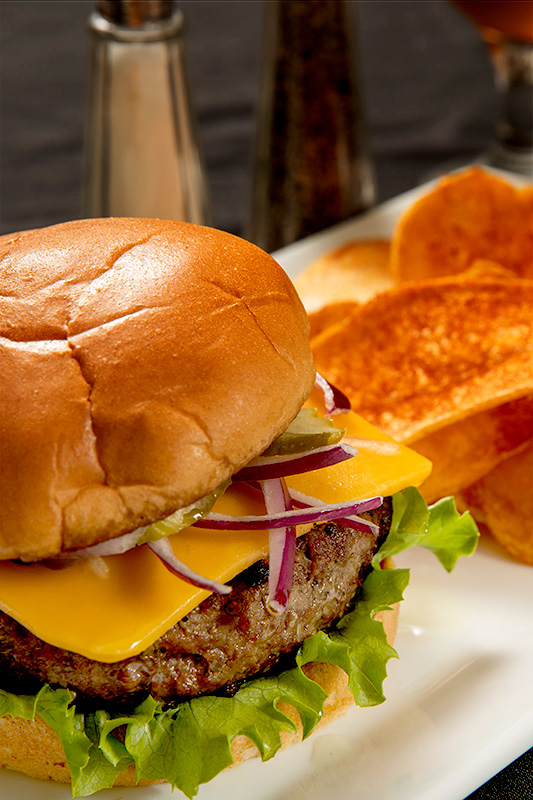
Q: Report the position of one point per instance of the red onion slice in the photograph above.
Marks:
(299, 516)
(280, 466)
(360, 524)
(281, 546)
(113, 547)
(335, 401)
(302, 500)
(163, 550)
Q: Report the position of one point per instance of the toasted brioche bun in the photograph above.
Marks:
(143, 362)
(33, 748)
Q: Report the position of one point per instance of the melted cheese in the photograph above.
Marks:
(111, 608)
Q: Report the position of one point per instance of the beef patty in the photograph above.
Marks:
(224, 640)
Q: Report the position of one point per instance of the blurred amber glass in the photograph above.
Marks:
(507, 28)
(510, 18)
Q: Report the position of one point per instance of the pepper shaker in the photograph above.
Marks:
(312, 163)
(142, 157)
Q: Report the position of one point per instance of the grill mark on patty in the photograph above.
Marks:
(225, 640)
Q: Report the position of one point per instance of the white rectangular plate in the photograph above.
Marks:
(459, 699)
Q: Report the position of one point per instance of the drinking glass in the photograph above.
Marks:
(507, 29)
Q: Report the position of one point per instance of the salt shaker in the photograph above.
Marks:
(141, 157)
(312, 162)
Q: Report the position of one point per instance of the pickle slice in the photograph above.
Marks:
(306, 432)
(182, 518)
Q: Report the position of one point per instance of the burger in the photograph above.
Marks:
(194, 526)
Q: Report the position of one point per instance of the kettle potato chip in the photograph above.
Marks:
(330, 315)
(355, 271)
(485, 268)
(503, 501)
(469, 215)
(465, 451)
(424, 355)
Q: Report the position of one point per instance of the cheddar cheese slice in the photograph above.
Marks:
(111, 608)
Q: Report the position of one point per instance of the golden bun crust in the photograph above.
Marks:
(33, 748)
(143, 362)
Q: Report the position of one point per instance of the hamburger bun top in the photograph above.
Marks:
(143, 363)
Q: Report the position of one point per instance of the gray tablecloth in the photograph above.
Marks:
(430, 99)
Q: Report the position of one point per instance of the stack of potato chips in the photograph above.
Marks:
(431, 337)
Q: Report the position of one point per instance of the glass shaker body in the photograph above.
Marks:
(312, 163)
(142, 157)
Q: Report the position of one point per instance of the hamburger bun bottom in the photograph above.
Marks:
(33, 748)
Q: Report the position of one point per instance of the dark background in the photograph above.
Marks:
(426, 76)
(430, 97)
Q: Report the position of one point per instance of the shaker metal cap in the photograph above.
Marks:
(135, 13)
